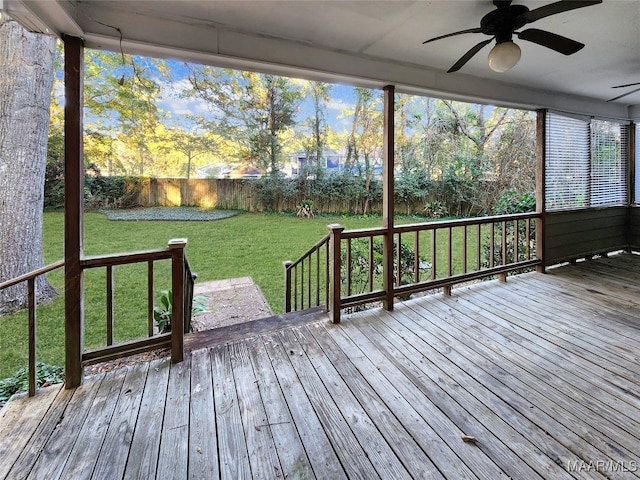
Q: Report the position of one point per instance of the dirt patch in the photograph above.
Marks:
(228, 302)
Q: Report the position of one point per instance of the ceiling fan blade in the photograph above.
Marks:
(467, 56)
(627, 85)
(557, 7)
(550, 40)
(461, 32)
(624, 94)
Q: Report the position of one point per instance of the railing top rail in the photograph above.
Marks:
(125, 258)
(412, 227)
(33, 274)
(320, 243)
(364, 232)
(465, 221)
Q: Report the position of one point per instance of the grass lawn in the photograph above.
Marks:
(252, 245)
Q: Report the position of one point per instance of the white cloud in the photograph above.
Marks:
(339, 105)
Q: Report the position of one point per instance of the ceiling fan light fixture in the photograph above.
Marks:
(504, 56)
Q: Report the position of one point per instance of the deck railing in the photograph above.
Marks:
(306, 281)
(32, 295)
(182, 295)
(424, 256)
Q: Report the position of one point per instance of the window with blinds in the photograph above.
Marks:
(585, 163)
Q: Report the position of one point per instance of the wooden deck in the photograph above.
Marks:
(543, 371)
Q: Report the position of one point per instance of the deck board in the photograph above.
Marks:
(543, 371)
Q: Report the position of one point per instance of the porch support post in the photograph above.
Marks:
(73, 206)
(333, 302)
(541, 137)
(178, 280)
(632, 165)
(387, 196)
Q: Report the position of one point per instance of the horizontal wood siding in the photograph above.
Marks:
(581, 233)
(634, 227)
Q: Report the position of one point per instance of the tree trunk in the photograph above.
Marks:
(26, 74)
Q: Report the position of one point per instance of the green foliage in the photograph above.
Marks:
(273, 189)
(110, 192)
(162, 313)
(360, 265)
(305, 209)
(435, 209)
(512, 202)
(45, 375)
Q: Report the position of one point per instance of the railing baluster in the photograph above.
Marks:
(150, 298)
(327, 276)
(479, 247)
(287, 286)
(399, 261)
(309, 283)
(450, 256)
(295, 288)
(109, 305)
(504, 243)
(433, 254)
(31, 299)
(464, 250)
(349, 266)
(302, 285)
(492, 243)
(317, 278)
(416, 258)
(515, 242)
(527, 239)
(371, 260)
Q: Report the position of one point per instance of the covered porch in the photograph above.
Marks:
(538, 377)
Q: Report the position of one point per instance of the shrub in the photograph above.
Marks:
(162, 314)
(45, 375)
(435, 209)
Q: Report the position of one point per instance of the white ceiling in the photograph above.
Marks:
(372, 44)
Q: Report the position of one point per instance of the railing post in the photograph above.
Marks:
(177, 291)
(287, 286)
(335, 236)
(31, 289)
(388, 208)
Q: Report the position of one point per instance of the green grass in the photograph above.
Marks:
(252, 245)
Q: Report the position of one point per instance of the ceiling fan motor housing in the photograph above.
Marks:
(503, 21)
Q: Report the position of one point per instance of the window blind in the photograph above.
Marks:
(567, 162)
(608, 163)
(586, 163)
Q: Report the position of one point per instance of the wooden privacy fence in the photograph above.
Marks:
(238, 194)
(347, 267)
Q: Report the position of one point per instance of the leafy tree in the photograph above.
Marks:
(256, 109)
(317, 123)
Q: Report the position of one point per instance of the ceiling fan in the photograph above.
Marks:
(501, 24)
(625, 94)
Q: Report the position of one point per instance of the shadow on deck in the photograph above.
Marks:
(543, 373)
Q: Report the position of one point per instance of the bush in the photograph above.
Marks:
(110, 192)
(45, 375)
(511, 202)
(273, 189)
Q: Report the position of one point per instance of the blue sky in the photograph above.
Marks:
(342, 97)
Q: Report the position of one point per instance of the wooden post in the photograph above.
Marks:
(387, 197)
(541, 134)
(73, 210)
(287, 286)
(177, 292)
(335, 234)
(31, 296)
